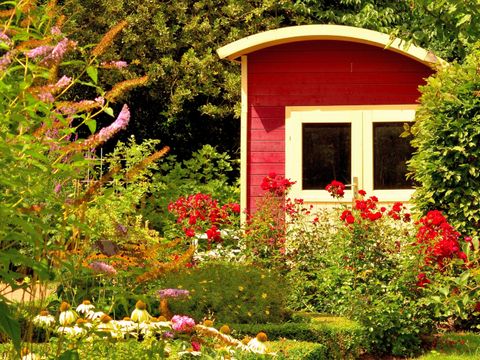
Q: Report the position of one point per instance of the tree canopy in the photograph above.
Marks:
(193, 97)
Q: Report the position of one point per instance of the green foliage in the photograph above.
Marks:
(9, 326)
(446, 134)
(291, 349)
(364, 268)
(343, 339)
(455, 346)
(194, 97)
(116, 217)
(229, 293)
(207, 171)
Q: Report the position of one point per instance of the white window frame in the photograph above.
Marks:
(361, 119)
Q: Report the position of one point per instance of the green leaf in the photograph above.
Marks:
(9, 325)
(109, 111)
(444, 291)
(69, 355)
(92, 125)
(93, 73)
(464, 19)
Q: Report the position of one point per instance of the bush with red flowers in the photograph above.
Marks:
(336, 189)
(200, 214)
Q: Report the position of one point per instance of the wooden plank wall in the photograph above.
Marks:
(317, 73)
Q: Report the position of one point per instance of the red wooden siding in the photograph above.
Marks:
(317, 73)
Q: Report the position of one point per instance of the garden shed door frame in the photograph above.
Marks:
(361, 118)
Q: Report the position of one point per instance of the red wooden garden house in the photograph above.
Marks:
(324, 102)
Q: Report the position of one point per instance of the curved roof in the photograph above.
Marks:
(325, 32)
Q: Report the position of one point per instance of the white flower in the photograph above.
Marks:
(140, 314)
(94, 315)
(85, 307)
(71, 332)
(67, 317)
(190, 353)
(44, 320)
(257, 346)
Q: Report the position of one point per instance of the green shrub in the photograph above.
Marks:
(292, 349)
(358, 262)
(229, 293)
(342, 338)
(446, 136)
(207, 171)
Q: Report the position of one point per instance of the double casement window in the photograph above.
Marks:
(349, 143)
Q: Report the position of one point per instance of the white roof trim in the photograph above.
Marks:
(325, 32)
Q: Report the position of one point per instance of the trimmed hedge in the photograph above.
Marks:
(288, 349)
(292, 349)
(343, 339)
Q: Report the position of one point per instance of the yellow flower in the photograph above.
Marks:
(264, 295)
(249, 314)
(267, 312)
(241, 288)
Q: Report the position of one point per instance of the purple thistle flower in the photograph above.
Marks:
(103, 268)
(172, 293)
(120, 123)
(57, 188)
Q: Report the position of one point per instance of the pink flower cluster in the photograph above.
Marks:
(172, 293)
(276, 184)
(114, 64)
(52, 55)
(182, 323)
(199, 212)
(102, 268)
(106, 133)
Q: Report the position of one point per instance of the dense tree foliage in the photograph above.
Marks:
(193, 97)
(447, 132)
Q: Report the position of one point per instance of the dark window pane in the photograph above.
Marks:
(326, 154)
(390, 154)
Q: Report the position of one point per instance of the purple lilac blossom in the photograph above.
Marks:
(172, 293)
(120, 123)
(101, 267)
(182, 323)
